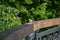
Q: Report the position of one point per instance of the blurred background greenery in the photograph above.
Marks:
(17, 12)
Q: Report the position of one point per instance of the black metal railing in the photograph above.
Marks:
(50, 34)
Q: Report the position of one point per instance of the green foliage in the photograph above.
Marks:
(11, 1)
(28, 1)
(28, 10)
(8, 18)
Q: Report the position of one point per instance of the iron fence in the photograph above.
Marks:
(50, 34)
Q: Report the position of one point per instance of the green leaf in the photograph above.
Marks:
(11, 1)
(28, 1)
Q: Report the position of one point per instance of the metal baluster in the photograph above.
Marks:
(31, 36)
(58, 35)
(37, 35)
(55, 37)
(45, 38)
(50, 37)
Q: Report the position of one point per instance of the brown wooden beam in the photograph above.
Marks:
(46, 23)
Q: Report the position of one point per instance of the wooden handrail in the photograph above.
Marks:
(19, 33)
(46, 23)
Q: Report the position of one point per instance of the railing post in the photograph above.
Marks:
(35, 36)
(32, 36)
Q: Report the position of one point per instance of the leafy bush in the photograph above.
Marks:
(27, 10)
(8, 18)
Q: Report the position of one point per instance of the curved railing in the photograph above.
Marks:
(29, 29)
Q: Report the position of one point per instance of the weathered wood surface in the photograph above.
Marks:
(46, 23)
(20, 32)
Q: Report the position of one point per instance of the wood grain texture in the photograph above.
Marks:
(46, 23)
